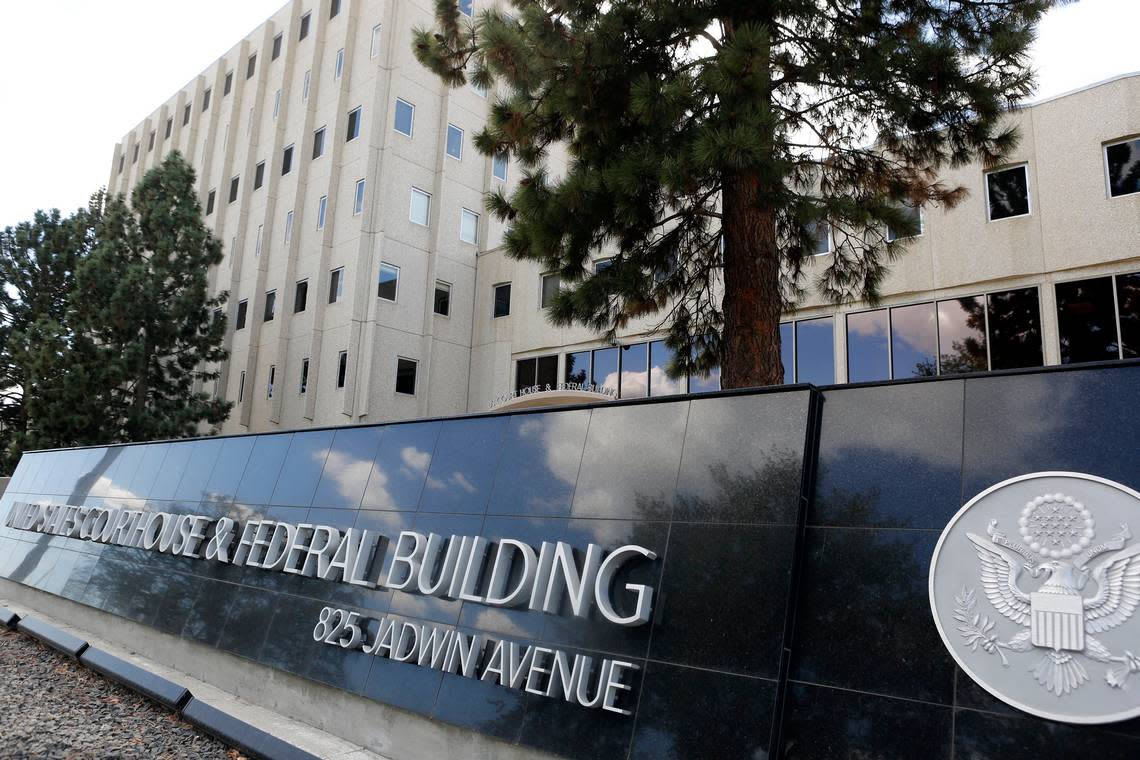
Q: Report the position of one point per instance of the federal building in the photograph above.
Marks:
(923, 545)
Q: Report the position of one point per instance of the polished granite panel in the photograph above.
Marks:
(570, 730)
(264, 465)
(463, 467)
(720, 715)
(542, 454)
(193, 486)
(480, 705)
(890, 456)
(983, 736)
(302, 469)
(864, 617)
(223, 484)
(401, 466)
(150, 466)
(826, 724)
(170, 472)
(247, 623)
(743, 459)
(346, 470)
(629, 468)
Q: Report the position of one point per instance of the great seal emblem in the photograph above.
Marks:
(1033, 607)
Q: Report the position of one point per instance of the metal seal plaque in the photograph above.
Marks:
(1034, 586)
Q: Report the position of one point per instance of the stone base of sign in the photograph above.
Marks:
(324, 721)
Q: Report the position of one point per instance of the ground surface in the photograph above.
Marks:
(53, 707)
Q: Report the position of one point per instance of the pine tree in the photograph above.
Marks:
(142, 303)
(708, 140)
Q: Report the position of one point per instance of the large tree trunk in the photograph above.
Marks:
(750, 354)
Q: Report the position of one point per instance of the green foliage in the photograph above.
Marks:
(703, 140)
(106, 320)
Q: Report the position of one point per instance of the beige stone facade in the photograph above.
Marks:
(279, 88)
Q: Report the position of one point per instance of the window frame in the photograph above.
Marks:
(235, 189)
(303, 385)
(338, 65)
(336, 295)
(228, 83)
(288, 237)
(380, 273)
(358, 196)
(374, 42)
(210, 199)
(278, 40)
(251, 66)
(242, 314)
(287, 159)
(466, 213)
(257, 241)
(1024, 166)
(169, 127)
(921, 228)
(495, 299)
(435, 299)
(506, 165)
(276, 104)
(269, 312)
(415, 375)
(319, 140)
(447, 142)
(1115, 309)
(301, 294)
(305, 85)
(303, 25)
(341, 369)
(258, 175)
(830, 240)
(542, 278)
(322, 211)
(396, 116)
(417, 191)
(269, 381)
(241, 386)
(1104, 159)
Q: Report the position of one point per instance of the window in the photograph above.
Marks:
(374, 49)
(405, 117)
(1122, 160)
(251, 66)
(1013, 322)
(551, 284)
(499, 166)
(814, 358)
(465, 7)
(270, 306)
(288, 226)
(305, 86)
(336, 285)
(605, 367)
(660, 384)
(229, 84)
(913, 228)
(276, 105)
(304, 31)
(241, 386)
(634, 381)
(442, 304)
(135, 157)
(341, 368)
(150, 144)
(300, 296)
(304, 385)
(892, 343)
(334, 8)
(358, 198)
(389, 281)
(1086, 321)
(122, 162)
(259, 175)
(454, 142)
(502, 300)
(318, 143)
(233, 189)
(578, 368)
(820, 233)
(602, 265)
(257, 241)
(210, 203)
(479, 89)
(338, 65)
(287, 161)
(276, 46)
(169, 127)
(1008, 193)
(272, 377)
(468, 226)
(186, 115)
(243, 307)
(406, 376)
(421, 207)
(1128, 298)
(322, 206)
(541, 371)
(353, 131)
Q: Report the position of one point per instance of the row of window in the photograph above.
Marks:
(405, 377)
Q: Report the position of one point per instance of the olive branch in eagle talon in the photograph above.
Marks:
(976, 628)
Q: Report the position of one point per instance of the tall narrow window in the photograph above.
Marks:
(257, 241)
(304, 31)
(269, 384)
(1122, 161)
(186, 115)
(287, 160)
(122, 162)
(304, 384)
(442, 303)
(319, 143)
(243, 307)
(233, 189)
(169, 127)
(389, 281)
(358, 198)
(820, 233)
(251, 66)
(551, 284)
(305, 85)
(353, 130)
(962, 335)
(499, 166)
(815, 351)
(334, 8)
(210, 203)
(228, 85)
(336, 285)
(374, 49)
(406, 376)
(660, 384)
(150, 146)
(913, 226)
(468, 226)
(1013, 318)
(277, 46)
(1086, 321)
(276, 105)
(405, 117)
(300, 296)
(259, 175)
(135, 157)
(338, 65)
(288, 226)
(322, 206)
(502, 299)
(421, 207)
(914, 340)
(270, 306)
(868, 346)
(341, 368)
(241, 386)
(454, 145)
(1007, 192)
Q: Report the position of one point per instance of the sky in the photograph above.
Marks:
(77, 75)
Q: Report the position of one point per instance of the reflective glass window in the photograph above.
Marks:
(634, 371)
(961, 335)
(405, 117)
(1086, 321)
(815, 351)
(1123, 161)
(578, 367)
(1015, 329)
(787, 351)
(454, 145)
(660, 384)
(1128, 300)
(605, 371)
(1008, 192)
(551, 284)
(914, 341)
(867, 350)
(389, 281)
(406, 376)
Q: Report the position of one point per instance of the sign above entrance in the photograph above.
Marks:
(559, 394)
(1034, 586)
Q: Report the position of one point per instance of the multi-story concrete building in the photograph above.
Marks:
(367, 283)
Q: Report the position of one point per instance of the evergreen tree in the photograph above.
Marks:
(142, 305)
(708, 140)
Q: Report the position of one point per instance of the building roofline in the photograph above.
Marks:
(1076, 90)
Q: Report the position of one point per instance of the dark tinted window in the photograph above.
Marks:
(961, 335)
(334, 8)
(287, 160)
(276, 47)
(150, 144)
(210, 203)
(405, 376)
(319, 143)
(787, 353)
(186, 115)
(815, 351)
(1015, 329)
(270, 305)
(233, 189)
(243, 305)
(251, 66)
(914, 341)
(353, 125)
(867, 351)
(502, 300)
(229, 84)
(578, 367)
(442, 299)
(1086, 321)
(1123, 167)
(1128, 298)
(205, 100)
(1008, 192)
(304, 32)
(169, 126)
(634, 371)
(341, 369)
(259, 175)
(336, 284)
(300, 296)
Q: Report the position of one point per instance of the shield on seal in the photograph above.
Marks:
(1057, 621)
